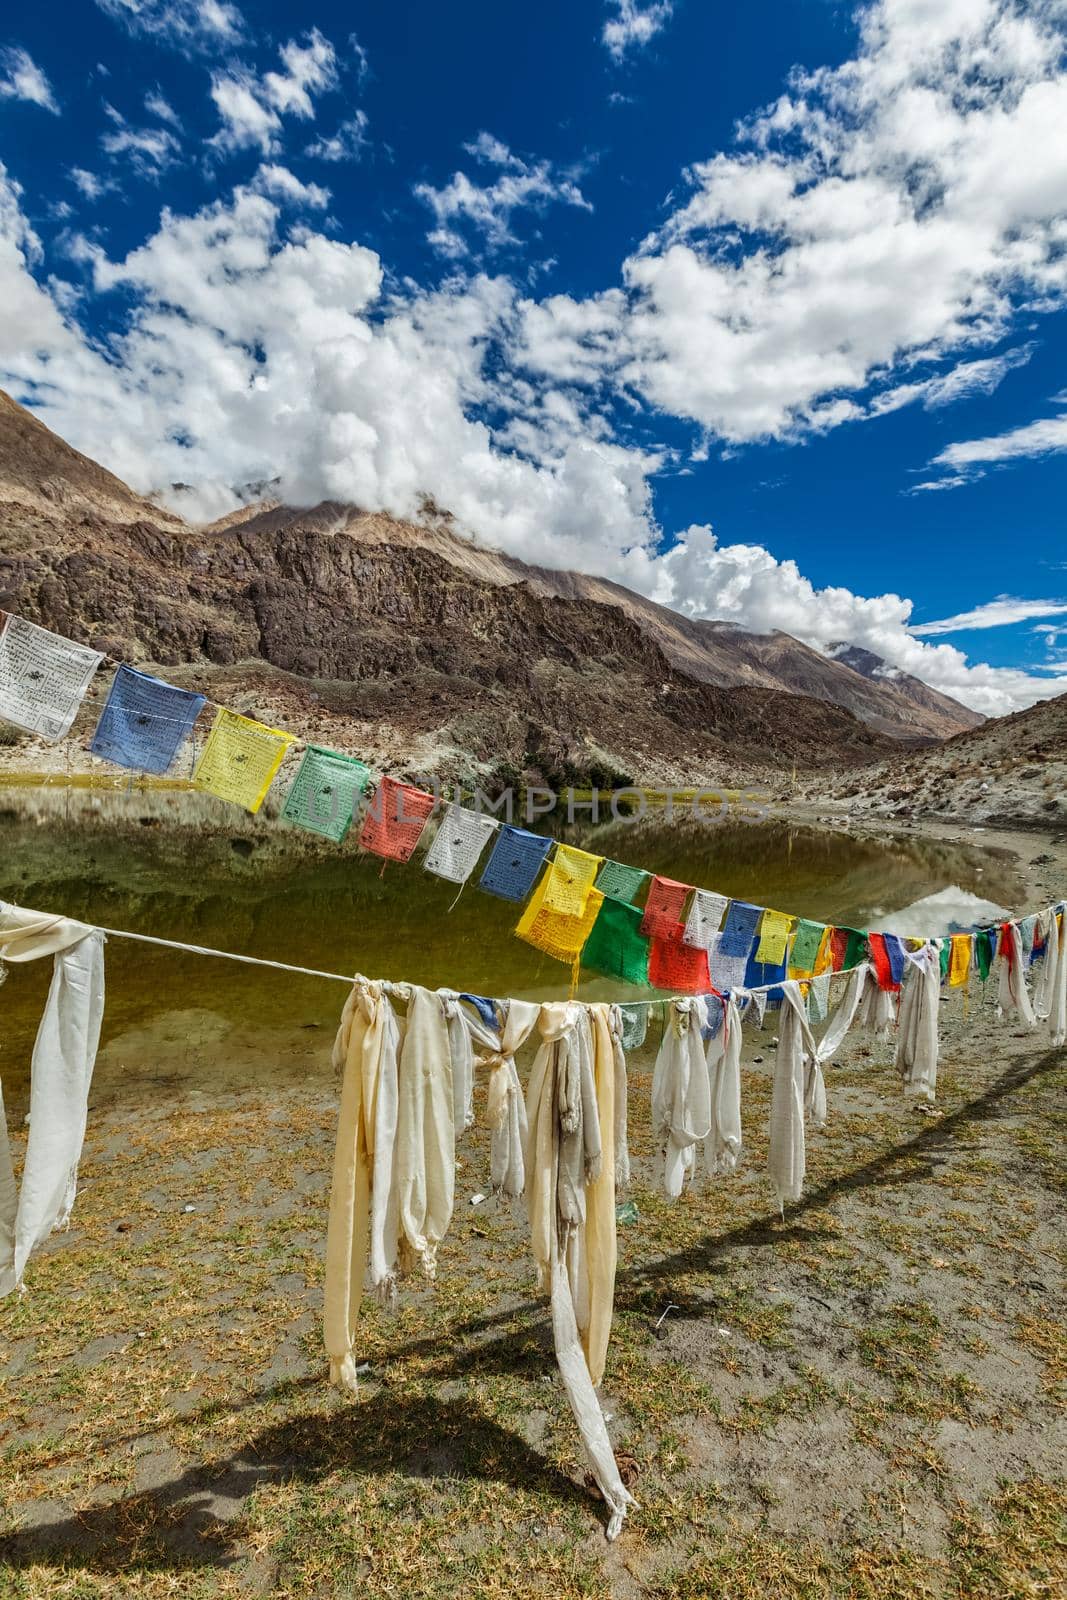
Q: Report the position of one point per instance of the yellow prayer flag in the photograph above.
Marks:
(557, 934)
(824, 961)
(959, 965)
(774, 934)
(240, 759)
(570, 878)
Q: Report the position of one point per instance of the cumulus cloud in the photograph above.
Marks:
(188, 24)
(488, 208)
(251, 106)
(22, 79)
(633, 25)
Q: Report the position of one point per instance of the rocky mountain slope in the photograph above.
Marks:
(415, 639)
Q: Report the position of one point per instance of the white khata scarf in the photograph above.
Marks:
(786, 1156)
(363, 1204)
(1012, 993)
(917, 1021)
(505, 1109)
(681, 1092)
(461, 1054)
(564, 1160)
(61, 1070)
(621, 1130)
(425, 1133)
(722, 1150)
(1050, 998)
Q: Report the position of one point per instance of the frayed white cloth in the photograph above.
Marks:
(722, 1149)
(1050, 996)
(425, 1133)
(877, 1011)
(461, 1053)
(681, 1093)
(563, 1153)
(505, 1108)
(621, 1133)
(600, 1241)
(1012, 993)
(365, 1052)
(787, 1152)
(917, 1021)
(61, 1071)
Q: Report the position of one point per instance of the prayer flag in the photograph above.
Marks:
(985, 943)
(946, 957)
(325, 793)
(878, 946)
(819, 997)
(959, 967)
(704, 919)
(848, 948)
(760, 973)
(663, 907)
(570, 880)
(677, 966)
(805, 947)
(727, 972)
(616, 945)
(514, 862)
(395, 819)
(240, 759)
(620, 882)
(458, 843)
(634, 1026)
(557, 934)
(774, 935)
(144, 722)
(739, 929)
(43, 678)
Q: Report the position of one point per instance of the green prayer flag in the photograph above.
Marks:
(616, 945)
(984, 945)
(946, 957)
(855, 949)
(806, 942)
(620, 882)
(325, 792)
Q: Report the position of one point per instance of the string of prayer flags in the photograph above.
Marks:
(739, 929)
(704, 919)
(773, 937)
(620, 882)
(616, 946)
(514, 862)
(663, 907)
(804, 950)
(43, 678)
(557, 934)
(240, 759)
(144, 722)
(727, 971)
(570, 879)
(459, 842)
(677, 966)
(959, 965)
(395, 820)
(325, 793)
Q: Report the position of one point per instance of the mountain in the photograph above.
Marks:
(417, 638)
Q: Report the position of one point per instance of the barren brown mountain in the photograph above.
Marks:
(412, 641)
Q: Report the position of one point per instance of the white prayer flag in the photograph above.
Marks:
(727, 972)
(43, 678)
(705, 918)
(459, 842)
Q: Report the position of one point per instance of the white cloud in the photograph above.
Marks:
(488, 208)
(22, 79)
(90, 184)
(189, 24)
(252, 107)
(346, 144)
(279, 181)
(157, 105)
(150, 151)
(633, 25)
(1045, 437)
(999, 613)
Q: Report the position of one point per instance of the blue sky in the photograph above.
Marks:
(756, 309)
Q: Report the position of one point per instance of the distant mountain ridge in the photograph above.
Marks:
(410, 632)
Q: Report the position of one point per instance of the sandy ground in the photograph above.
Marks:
(863, 1400)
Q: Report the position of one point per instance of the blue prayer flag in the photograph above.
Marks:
(739, 929)
(516, 860)
(144, 722)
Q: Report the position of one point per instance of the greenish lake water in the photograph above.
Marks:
(185, 867)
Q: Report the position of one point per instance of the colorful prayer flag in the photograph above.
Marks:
(959, 965)
(727, 971)
(704, 919)
(43, 678)
(805, 947)
(616, 945)
(557, 934)
(458, 843)
(514, 862)
(240, 759)
(570, 879)
(774, 935)
(144, 722)
(739, 929)
(985, 944)
(676, 966)
(395, 819)
(325, 793)
(620, 882)
(663, 907)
